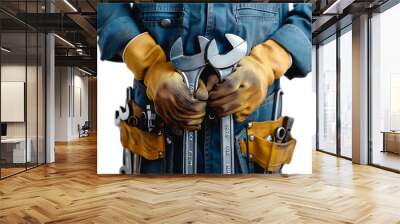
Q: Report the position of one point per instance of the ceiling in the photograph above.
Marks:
(74, 22)
(332, 15)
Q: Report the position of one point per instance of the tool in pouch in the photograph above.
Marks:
(270, 143)
(190, 68)
(146, 123)
(130, 161)
(224, 65)
(282, 133)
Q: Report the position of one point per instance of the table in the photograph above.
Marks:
(13, 150)
(391, 141)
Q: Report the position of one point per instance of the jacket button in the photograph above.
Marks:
(165, 22)
(251, 137)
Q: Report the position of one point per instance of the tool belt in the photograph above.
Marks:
(263, 150)
(136, 137)
(260, 148)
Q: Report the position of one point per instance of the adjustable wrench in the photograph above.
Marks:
(224, 65)
(190, 67)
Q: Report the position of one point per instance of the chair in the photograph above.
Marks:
(84, 129)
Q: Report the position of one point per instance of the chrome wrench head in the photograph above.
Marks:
(225, 63)
(124, 113)
(189, 66)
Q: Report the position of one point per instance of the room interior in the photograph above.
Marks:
(38, 107)
(337, 45)
(22, 101)
(52, 91)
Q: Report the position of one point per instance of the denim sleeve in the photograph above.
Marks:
(295, 37)
(115, 28)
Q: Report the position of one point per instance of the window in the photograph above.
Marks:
(385, 89)
(346, 93)
(327, 96)
(22, 77)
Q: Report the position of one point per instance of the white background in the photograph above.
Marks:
(113, 79)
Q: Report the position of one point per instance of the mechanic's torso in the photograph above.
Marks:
(254, 22)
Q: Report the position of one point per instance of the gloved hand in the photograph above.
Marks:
(242, 92)
(172, 99)
(165, 86)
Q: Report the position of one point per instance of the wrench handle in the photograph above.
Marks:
(191, 79)
(227, 147)
(227, 132)
(189, 152)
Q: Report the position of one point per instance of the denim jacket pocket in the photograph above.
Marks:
(156, 11)
(256, 12)
(256, 21)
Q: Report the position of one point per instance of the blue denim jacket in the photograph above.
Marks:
(255, 22)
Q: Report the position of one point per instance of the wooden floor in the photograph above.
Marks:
(70, 191)
(11, 170)
(387, 159)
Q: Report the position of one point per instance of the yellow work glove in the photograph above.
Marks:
(141, 53)
(242, 92)
(165, 86)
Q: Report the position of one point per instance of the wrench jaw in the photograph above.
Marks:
(235, 40)
(176, 50)
(185, 63)
(203, 42)
(190, 67)
(224, 64)
(191, 79)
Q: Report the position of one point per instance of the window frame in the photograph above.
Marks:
(379, 10)
(334, 37)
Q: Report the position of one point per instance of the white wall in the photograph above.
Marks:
(81, 83)
(299, 102)
(71, 87)
(112, 81)
(61, 103)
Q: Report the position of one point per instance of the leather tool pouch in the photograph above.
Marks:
(151, 146)
(269, 155)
